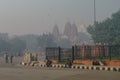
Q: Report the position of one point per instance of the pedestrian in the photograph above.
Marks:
(68, 63)
(48, 63)
(11, 59)
(6, 58)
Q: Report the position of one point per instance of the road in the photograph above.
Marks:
(18, 72)
(27, 73)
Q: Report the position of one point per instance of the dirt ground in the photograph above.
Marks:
(17, 72)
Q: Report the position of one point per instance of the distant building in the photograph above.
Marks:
(56, 33)
(71, 32)
(74, 33)
(67, 30)
(82, 28)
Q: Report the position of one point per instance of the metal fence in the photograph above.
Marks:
(84, 52)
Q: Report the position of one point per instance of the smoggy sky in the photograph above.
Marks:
(39, 16)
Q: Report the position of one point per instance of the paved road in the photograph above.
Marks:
(17, 72)
(22, 73)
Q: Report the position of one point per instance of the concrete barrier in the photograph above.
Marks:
(53, 65)
(42, 65)
(73, 66)
(105, 68)
(86, 67)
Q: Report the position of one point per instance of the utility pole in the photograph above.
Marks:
(94, 13)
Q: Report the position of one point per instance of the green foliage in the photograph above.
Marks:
(46, 40)
(17, 45)
(4, 45)
(107, 31)
(65, 43)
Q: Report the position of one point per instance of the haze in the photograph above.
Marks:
(18, 17)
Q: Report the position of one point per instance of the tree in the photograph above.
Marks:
(17, 45)
(65, 43)
(46, 40)
(107, 31)
(4, 45)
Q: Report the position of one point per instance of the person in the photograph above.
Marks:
(95, 62)
(6, 58)
(11, 59)
(48, 63)
(68, 63)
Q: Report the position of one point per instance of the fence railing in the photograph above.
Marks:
(84, 52)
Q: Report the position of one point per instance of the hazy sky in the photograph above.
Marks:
(38, 16)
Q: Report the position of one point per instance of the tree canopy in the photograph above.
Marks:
(107, 31)
(17, 45)
(46, 40)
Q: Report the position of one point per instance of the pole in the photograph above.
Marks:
(94, 13)
(59, 54)
(73, 52)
